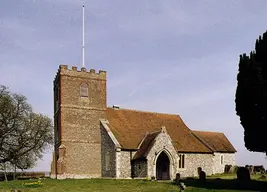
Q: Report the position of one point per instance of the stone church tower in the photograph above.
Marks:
(79, 103)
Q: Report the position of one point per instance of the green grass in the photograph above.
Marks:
(226, 183)
(94, 185)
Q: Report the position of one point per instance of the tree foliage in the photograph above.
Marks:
(251, 96)
(24, 135)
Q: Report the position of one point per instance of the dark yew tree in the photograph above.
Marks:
(251, 96)
(24, 135)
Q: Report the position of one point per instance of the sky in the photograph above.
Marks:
(169, 56)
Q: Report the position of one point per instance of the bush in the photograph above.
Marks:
(22, 175)
(243, 174)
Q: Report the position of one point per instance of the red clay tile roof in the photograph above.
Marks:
(146, 145)
(130, 126)
(218, 142)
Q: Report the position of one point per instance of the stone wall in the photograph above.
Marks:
(124, 164)
(193, 161)
(162, 143)
(139, 168)
(228, 159)
(108, 155)
(79, 125)
(53, 166)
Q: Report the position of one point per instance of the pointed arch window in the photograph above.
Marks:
(84, 90)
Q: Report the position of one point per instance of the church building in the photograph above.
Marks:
(96, 141)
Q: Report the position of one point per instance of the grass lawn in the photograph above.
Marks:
(110, 185)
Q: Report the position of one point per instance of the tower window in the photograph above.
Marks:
(84, 90)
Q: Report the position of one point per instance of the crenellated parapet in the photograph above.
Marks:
(73, 71)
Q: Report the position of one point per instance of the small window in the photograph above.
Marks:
(107, 158)
(84, 90)
(181, 161)
(221, 159)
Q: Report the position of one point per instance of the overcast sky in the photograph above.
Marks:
(170, 56)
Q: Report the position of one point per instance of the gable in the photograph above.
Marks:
(130, 126)
(146, 145)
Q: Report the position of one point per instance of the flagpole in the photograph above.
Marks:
(83, 41)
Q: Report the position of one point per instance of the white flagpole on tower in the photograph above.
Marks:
(83, 41)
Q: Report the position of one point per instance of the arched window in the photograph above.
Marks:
(84, 90)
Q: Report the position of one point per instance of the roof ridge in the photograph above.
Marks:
(143, 111)
(207, 131)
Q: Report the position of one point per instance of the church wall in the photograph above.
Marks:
(82, 145)
(228, 159)
(193, 161)
(124, 163)
(139, 168)
(75, 164)
(162, 142)
(108, 155)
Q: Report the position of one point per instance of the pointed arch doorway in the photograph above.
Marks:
(163, 167)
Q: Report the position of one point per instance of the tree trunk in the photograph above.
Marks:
(5, 172)
(14, 174)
